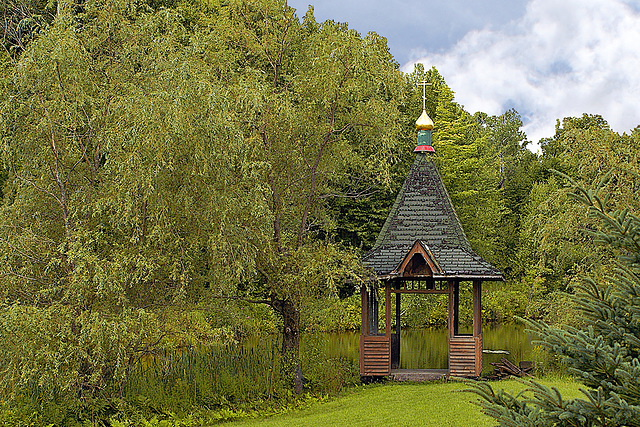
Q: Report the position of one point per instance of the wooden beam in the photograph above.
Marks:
(477, 308)
(420, 291)
(374, 314)
(364, 324)
(398, 314)
(456, 308)
(364, 311)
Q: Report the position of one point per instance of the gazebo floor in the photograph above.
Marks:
(417, 375)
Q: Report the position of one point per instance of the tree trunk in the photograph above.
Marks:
(290, 340)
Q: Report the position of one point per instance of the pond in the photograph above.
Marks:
(427, 348)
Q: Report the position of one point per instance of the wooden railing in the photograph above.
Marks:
(375, 355)
(465, 356)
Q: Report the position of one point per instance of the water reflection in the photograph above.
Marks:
(427, 348)
(419, 348)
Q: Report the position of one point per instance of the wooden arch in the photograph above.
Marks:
(418, 262)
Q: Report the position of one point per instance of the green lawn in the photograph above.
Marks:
(401, 404)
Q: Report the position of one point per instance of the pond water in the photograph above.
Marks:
(427, 348)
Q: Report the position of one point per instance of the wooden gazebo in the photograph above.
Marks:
(422, 249)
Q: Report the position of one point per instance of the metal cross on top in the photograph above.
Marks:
(424, 85)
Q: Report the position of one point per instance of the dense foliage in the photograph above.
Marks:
(177, 175)
(109, 218)
(163, 160)
(604, 353)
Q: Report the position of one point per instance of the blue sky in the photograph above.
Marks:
(549, 59)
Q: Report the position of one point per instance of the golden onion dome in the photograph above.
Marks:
(424, 122)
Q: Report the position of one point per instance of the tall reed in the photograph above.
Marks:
(213, 378)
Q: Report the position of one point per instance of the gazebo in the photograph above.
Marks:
(422, 249)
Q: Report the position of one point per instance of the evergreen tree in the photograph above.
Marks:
(470, 171)
(551, 246)
(516, 166)
(604, 355)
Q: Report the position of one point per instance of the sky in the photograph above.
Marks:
(548, 59)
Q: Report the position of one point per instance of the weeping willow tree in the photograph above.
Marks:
(321, 123)
(165, 157)
(117, 138)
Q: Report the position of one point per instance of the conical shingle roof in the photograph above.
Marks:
(423, 212)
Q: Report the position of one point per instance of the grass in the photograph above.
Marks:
(403, 404)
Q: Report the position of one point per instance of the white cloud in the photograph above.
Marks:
(562, 58)
(410, 24)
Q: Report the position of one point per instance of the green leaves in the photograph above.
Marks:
(603, 355)
(161, 157)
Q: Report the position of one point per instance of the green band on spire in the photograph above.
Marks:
(424, 137)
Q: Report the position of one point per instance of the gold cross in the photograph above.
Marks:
(424, 85)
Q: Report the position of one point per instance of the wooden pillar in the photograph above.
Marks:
(373, 312)
(395, 337)
(387, 309)
(398, 314)
(477, 308)
(451, 308)
(456, 307)
(364, 311)
(375, 354)
(364, 324)
(477, 324)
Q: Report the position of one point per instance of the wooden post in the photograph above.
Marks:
(395, 337)
(373, 312)
(398, 314)
(477, 308)
(364, 324)
(364, 311)
(451, 309)
(456, 307)
(477, 324)
(387, 309)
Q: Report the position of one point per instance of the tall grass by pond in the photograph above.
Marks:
(232, 381)
(203, 385)
(212, 378)
(229, 382)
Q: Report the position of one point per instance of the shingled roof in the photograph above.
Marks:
(423, 214)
